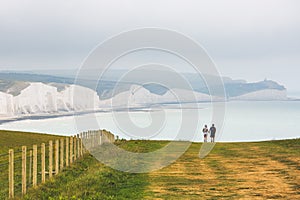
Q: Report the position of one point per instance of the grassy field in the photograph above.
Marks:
(15, 140)
(256, 170)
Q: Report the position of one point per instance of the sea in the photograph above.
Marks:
(237, 121)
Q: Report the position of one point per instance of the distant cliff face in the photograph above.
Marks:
(239, 89)
(27, 102)
(77, 98)
(139, 96)
(25, 94)
(6, 104)
(42, 98)
(263, 95)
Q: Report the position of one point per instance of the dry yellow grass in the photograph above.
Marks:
(266, 170)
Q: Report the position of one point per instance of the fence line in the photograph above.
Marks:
(61, 153)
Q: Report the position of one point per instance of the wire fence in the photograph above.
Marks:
(25, 167)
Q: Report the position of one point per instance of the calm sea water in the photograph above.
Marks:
(244, 121)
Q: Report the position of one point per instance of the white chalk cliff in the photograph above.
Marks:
(39, 98)
(7, 105)
(36, 98)
(77, 98)
(43, 98)
(139, 96)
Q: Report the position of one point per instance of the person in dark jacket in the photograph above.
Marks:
(212, 132)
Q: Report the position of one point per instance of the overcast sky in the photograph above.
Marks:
(253, 39)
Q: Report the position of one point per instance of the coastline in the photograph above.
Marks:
(39, 116)
(144, 108)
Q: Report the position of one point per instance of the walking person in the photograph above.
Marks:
(205, 132)
(212, 132)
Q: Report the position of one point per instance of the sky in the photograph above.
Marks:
(252, 40)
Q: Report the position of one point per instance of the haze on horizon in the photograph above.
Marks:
(249, 40)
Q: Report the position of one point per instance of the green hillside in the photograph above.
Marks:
(15, 140)
(257, 170)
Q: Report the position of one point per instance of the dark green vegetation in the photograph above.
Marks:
(257, 170)
(88, 179)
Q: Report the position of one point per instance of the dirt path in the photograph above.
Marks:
(188, 178)
(258, 176)
(230, 171)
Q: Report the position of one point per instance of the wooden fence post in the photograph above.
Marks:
(24, 149)
(83, 138)
(34, 170)
(50, 158)
(56, 157)
(11, 173)
(71, 150)
(61, 154)
(75, 146)
(81, 146)
(78, 146)
(30, 167)
(43, 162)
(67, 151)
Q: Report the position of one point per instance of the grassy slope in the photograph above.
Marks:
(15, 140)
(89, 179)
(261, 170)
